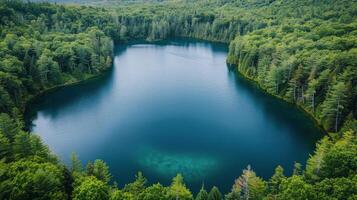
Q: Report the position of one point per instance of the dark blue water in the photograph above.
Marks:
(174, 108)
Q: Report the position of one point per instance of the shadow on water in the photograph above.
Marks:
(51, 103)
(289, 115)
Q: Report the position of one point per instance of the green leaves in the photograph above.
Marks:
(214, 194)
(91, 188)
(30, 179)
(178, 189)
(248, 186)
(333, 106)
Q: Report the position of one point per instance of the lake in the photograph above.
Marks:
(174, 107)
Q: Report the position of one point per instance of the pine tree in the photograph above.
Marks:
(76, 164)
(178, 189)
(214, 194)
(101, 171)
(202, 194)
(249, 185)
(276, 180)
(333, 106)
(297, 169)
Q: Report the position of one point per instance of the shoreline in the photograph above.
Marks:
(316, 122)
(31, 100)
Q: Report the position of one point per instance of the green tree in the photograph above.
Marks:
(138, 186)
(30, 179)
(178, 189)
(9, 127)
(91, 188)
(336, 188)
(295, 188)
(249, 185)
(333, 106)
(202, 194)
(297, 169)
(154, 192)
(22, 145)
(214, 194)
(90, 169)
(76, 164)
(101, 171)
(276, 180)
(116, 194)
(315, 163)
(5, 148)
(341, 159)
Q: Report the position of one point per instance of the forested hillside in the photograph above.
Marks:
(302, 51)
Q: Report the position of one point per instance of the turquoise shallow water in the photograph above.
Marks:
(170, 108)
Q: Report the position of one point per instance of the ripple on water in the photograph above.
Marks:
(192, 167)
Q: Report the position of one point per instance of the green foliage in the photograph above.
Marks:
(154, 192)
(302, 51)
(336, 188)
(31, 179)
(276, 180)
(305, 58)
(332, 160)
(76, 164)
(101, 171)
(334, 105)
(178, 189)
(295, 188)
(137, 187)
(214, 194)
(297, 169)
(202, 195)
(248, 186)
(91, 188)
(5, 148)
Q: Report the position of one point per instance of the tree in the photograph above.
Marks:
(76, 164)
(5, 148)
(154, 192)
(333, 106)
(316, 161)
(9, 127)
(341, 159)
(249, 185)
(90, 169)
(336, 188)
(49, 71)
(295, 188)
(297, 169)
(202, 194)
(178, 190)
(310, 93)
(138, 186)
(91, 188)
(101, 171)
(22, 145)
(116, 194)
(30, 179)
(276, 180)
(214, 194)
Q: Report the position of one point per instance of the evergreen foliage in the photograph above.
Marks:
(303, 51)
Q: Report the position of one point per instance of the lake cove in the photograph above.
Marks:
(174, 107)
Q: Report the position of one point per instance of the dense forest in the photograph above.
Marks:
(302, 51)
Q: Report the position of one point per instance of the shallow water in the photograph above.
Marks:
(171, 108)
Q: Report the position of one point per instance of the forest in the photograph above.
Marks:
(304, 52)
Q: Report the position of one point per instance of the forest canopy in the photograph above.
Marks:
(302, 51)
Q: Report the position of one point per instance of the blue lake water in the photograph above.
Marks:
(174, 107)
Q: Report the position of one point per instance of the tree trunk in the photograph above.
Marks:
(337, 114)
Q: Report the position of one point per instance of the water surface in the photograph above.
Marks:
(174, 108)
